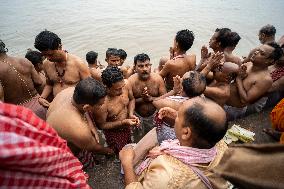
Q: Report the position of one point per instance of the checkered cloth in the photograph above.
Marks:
(32, 155)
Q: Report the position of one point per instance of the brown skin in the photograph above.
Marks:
(1, 92)
(95, 71)
(15, 91)
(68, 119)
(178, 66)
(145, 87)
(75, 70)
(183, 132)
(162, 63)
(118, 109)
(219, 89)
(253, 80)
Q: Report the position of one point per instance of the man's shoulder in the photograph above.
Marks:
(76, 59)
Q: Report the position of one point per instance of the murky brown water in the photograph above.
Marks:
(134, 25)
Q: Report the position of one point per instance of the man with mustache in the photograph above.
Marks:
(145, 86)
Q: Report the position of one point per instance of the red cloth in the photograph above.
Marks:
(277, 73)
(32, 155)
(117, 138)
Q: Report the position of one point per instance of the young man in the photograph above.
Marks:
(225, 41)
(116, 116)
(69, 113)
(123, 56)
(199, 125)
(113, 57)
(181, 62)
(36, 59)
(19, 81)
(267, 34)
(145, 86)
(253, 80)
(62, 69)
(93, 64)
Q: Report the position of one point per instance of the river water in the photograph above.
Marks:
(135, 25)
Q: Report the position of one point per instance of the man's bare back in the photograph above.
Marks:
(177, 66)
(19, 79)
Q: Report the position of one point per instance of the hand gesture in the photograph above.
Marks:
(126, 155)
(43, 102)
(177, 84)
(204, 52)
(136, 118)
(172, 53)
(215, 59)
(130, 122)
(167, 112)
(145, 95)
(242, 74)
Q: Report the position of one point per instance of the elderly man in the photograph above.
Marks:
(69, 113)
(19, 82)
(199, 125)
(146, 86)
(62, 69)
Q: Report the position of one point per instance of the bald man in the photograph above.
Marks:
(199, 125)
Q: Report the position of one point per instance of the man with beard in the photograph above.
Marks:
(145, 86)
(62, 68)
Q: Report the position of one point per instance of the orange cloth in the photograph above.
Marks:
(277, 118)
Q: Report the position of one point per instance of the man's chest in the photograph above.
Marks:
(139, 87)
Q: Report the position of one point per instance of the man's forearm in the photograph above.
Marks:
(129, 174)
(112, 125)
(131, 107)
(46, 91)
(242, 91)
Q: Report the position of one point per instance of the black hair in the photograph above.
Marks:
(3, 48)
(122, 53)
(112, 52)
(89, 91)
(141, 58)
(111, 75)
(277, 53)
(185, 39)
(91, 57)
(227, 38)
(194, 85)
(205, 130)
(34, 57)
(268, 30)
(47, 40)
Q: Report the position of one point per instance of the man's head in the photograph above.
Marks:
(112, 57)
(91, 57)
(267, 34)
(162, 62)
(183, 40)
(193, 83)
(112, 78)
(223, 38)
(35, 58)
(123, 56)
(266, 54)
(89, 93)
(226, 72)
(3, 48)
(200, 123)
(49, 44)
(142, 66)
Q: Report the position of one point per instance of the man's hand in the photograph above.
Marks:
(129, 122)
(215, 59)
(204, 52)
(136, 118)
(242, 74)
(177, 84)
(145, 95)
(126, 155)
(167, 112)
(43, 102)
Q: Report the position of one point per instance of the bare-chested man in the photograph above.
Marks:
(19, 81)
(145, 87)
(62, 69)
(69, 113)
(219, 89)
(116, 117)
(180, 63)
(223, 40)
(253, 80)
(94, 65)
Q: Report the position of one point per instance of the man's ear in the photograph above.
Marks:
(87, 108)
(186, 133)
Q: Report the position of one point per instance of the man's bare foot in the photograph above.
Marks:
(274, 134)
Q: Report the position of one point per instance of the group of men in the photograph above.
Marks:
(189, 103)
